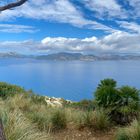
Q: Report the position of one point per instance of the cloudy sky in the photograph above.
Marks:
(86, 26)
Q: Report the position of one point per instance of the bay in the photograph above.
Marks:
(74, 80)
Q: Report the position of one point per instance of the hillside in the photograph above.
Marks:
(27, 116)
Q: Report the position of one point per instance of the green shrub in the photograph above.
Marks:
(122, 103)
(106, 94)
(129, 98)
(129, 104)
(107, 82)
(107, 97)
(132, 132)
(58, 119)
(7, 90)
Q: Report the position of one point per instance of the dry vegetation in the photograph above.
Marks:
(26, 116)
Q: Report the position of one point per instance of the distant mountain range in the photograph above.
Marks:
(78, 56)
(68, 56)
(63, 56)
(11, 55)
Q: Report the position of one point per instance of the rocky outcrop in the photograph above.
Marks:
(56, 102)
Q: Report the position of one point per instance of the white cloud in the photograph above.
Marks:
(136, 7)
(118, 42)
(109, 8)
(62, 11)
(130, 26)
(115, 42)
(16, 28)
(122, 42)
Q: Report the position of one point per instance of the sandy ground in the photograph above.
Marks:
(85, 134)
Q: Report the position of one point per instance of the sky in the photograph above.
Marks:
(77, 26)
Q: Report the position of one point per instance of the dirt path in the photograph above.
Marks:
(73, 134)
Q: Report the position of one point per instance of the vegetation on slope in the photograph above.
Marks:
(27, 116)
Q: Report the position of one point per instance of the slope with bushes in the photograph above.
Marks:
(27, 116)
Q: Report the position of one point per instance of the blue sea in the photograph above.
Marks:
(74, 80)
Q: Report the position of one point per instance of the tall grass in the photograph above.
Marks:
(40, 119)
(101, 121)
(18, 127)
(58, 119)
(27, 117)
(131, 132)
(18, 102)
(97, 120)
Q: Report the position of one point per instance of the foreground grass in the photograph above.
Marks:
(131, 132)
(24, 119)
(17, 126)
(26, 116)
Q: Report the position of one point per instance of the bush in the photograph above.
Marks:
(84, 119)
(129, 98)
(122, 103)
(7, 90)
(129, 104)
(97, 120)
(58, 120)
(101, 120)
(107, 82)
(107, 97)
(132, 132)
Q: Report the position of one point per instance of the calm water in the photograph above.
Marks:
(71, 80)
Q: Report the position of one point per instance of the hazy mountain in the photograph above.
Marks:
(63, 56)
(67, 56)
(11, 55)
(78, 56)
